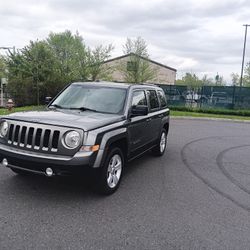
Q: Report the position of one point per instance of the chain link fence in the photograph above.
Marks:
(227, 97)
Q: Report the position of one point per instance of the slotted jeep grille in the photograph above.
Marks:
(38, 137)
(32, 137)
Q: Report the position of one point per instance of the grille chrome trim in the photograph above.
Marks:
(36, 135)
(39, 137)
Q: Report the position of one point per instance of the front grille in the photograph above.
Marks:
(33, 137)
(39, 137)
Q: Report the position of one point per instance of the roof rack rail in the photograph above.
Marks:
(142, 83)
(148, 83)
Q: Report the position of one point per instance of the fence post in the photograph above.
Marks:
(202, 92)
(233, 100)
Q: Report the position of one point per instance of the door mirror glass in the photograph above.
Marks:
(139, 110)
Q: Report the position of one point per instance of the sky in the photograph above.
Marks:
(199, 36)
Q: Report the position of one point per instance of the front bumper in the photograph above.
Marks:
(38, 162)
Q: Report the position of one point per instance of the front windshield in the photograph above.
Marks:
(96, 98)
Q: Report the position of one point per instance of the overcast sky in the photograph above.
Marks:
(199, 36)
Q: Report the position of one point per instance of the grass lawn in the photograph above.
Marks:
(194, 114)
(4, 111)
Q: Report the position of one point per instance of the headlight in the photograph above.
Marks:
(72, 139)
(4, 126)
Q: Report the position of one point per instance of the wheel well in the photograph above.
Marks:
(122, 144)
(166, 126)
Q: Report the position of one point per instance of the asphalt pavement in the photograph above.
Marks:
(197, 196)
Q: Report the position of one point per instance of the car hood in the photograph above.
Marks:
(86, 120)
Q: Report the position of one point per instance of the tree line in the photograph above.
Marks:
(191, 79)
(44, 67)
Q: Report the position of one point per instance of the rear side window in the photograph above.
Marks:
(162, 98)
(153, 99)
(139, 98)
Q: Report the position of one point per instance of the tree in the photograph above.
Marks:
(219, 80)
(44, 67)
(70, 54)
(3, 67)
(137, 69)
(30, 69)
(97, 57)
(207, 80)
(235, 79)
(137, 46)
(190, 79)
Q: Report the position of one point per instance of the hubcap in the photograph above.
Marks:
(114, 170)
(163, 142)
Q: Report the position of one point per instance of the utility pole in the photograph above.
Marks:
(243, 59)
(243, 56)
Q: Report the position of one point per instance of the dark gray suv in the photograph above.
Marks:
(94, 125)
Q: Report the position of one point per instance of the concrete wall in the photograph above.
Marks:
(164, 75)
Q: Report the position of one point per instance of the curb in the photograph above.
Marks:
(209, 119)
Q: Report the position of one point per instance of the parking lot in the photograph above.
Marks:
(196, 196)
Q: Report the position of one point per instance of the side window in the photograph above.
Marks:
(153, 100)
(162, 98)
(139, 98)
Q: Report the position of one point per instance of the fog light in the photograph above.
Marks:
(5, 162)
(49, 172)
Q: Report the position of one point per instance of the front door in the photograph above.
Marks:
(138, 127)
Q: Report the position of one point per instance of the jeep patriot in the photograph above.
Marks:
(89, 125)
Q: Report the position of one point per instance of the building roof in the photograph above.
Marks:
(144, 58)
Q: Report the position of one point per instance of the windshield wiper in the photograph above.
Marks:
(86, 109)
(81, 108)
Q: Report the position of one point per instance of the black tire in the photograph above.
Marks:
(19, 171)
(103, 173)
(157, 150)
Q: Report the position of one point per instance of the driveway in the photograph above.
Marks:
(197, 196)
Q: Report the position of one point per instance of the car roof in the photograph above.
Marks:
(119, 85)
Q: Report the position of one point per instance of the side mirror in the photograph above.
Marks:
(48, 99)
(139, 110)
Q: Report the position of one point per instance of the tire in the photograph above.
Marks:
(19, 171)
(110, 174)
(161, 146)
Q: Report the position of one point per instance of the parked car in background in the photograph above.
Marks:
(220, 99)
(175, 97)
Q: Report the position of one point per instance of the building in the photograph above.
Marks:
(164, 74)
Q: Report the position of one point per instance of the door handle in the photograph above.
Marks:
(148, 119)
(160, 116)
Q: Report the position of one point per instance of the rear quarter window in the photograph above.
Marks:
(162, 98)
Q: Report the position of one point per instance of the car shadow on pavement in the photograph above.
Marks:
(70, 187)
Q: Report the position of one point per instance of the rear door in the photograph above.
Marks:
(154, 122)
